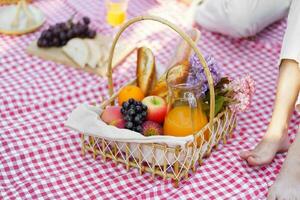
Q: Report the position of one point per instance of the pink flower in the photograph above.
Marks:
(243, 89)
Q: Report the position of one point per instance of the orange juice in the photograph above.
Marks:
(180, 120)
(116, 14)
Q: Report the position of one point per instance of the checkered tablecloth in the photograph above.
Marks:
(41, 159)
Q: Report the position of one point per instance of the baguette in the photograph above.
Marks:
(146, 73)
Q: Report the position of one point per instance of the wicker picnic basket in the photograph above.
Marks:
(175, 162)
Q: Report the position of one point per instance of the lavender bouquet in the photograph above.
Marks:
(235, 94)
(199, 75)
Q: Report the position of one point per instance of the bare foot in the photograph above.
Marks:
(287, 184)
(266, 150)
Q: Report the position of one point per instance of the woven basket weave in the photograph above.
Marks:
(160, 159)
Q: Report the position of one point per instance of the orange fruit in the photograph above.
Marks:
(179, 122)
(129, 92)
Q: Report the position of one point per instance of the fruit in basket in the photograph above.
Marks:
(134, 113)
(157, 108)
(179, 121)
(119, 123)
(78, 51)
(59, 34)
(130, 92)
(112, 116)
(151, 128)
(145, 71)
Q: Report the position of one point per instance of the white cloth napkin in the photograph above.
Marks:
(85, 119)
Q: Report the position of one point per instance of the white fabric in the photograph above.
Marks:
(243, 18)
(240, 18)
(291, 42)
(85, 119)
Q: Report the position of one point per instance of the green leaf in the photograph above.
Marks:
(219, 104)
(222, 97)
(205, 107)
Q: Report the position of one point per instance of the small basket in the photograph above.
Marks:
(160, 159)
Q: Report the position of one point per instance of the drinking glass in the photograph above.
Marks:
(116, 12)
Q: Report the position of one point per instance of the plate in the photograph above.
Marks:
(7, 14)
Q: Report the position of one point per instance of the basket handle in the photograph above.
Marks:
(185, 37)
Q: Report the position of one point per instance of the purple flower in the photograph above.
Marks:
(197, 72)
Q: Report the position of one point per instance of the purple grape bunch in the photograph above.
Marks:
(59, 34)
(197, 73)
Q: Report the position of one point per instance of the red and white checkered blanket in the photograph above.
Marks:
(41, 159)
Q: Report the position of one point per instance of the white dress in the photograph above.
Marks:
(243, 18)
(291, 43)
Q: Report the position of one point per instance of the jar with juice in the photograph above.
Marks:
(185, 115)
(116, 11)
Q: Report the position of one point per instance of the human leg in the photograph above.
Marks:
(276, 139)
(287, 184)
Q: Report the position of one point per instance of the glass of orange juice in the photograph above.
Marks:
(185, 115)
(116, 12)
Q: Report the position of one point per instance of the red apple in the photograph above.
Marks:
(112, 116)
(157, 108)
